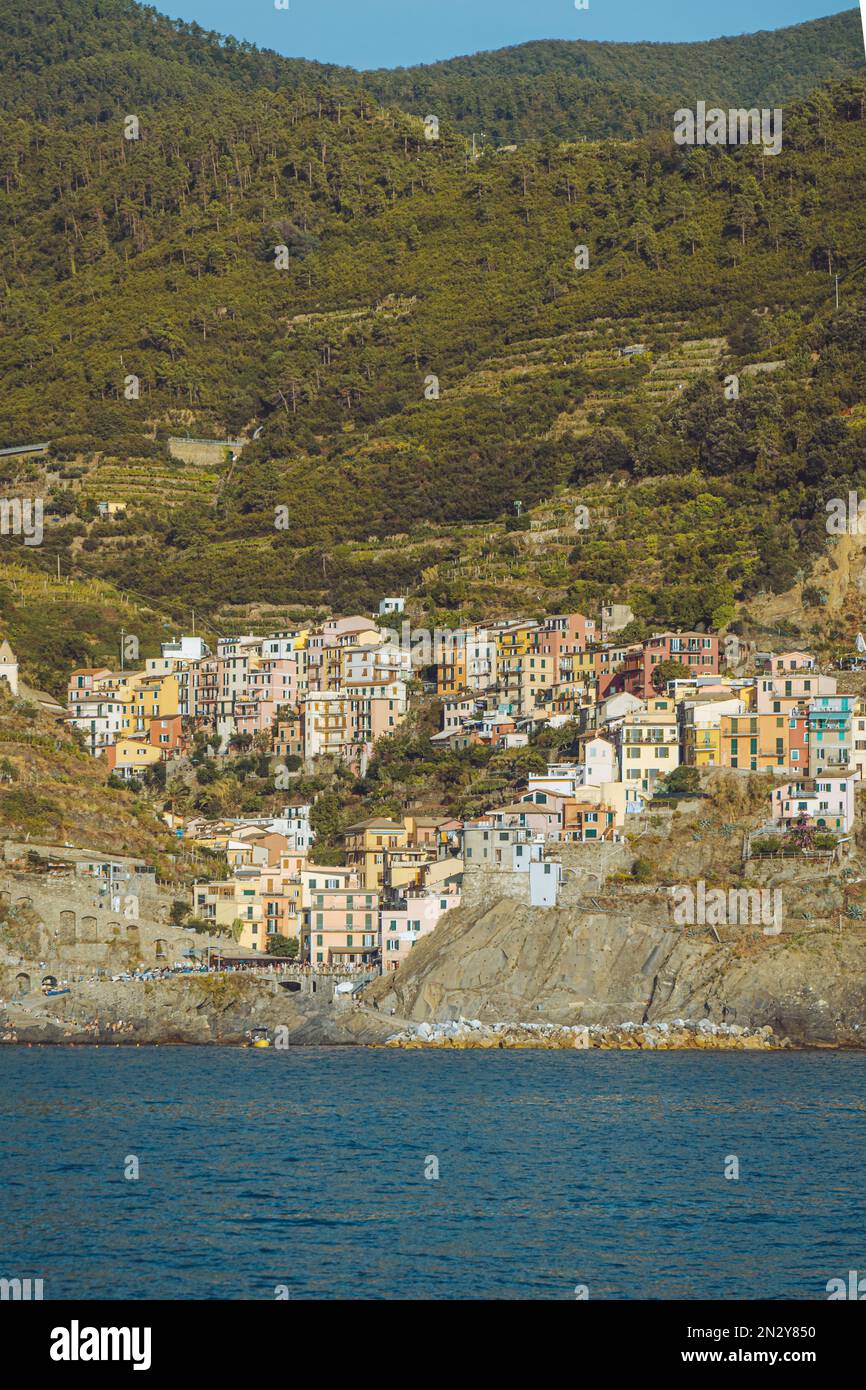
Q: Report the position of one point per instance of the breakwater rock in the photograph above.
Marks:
(681, 1033)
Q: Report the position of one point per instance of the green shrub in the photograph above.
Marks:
(766, 844)
(642, 870)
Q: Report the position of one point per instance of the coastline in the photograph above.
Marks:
(465, 1035)
(211, 1011)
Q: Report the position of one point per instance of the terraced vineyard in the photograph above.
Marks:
(150, 483)
(670, 372)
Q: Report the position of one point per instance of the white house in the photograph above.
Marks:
(392, 605)
(544, 881)
(8, 666)
(184, 649)
(600, 762)
(826, 802)
(294, 822)
(99, 719)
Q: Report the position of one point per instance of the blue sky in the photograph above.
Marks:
(392, 33)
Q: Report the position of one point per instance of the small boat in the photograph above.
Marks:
(259, 1037)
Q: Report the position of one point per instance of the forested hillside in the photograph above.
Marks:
(573, 90)
(85, 60)
(406, 260)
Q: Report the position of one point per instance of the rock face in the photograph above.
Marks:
(203, 1009)
(506, 960)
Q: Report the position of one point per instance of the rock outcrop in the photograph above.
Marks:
(186, 1009)
(577, 965)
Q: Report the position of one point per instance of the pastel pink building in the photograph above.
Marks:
(404, 925)
(271, 685)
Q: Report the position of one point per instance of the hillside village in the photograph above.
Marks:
(615, 730)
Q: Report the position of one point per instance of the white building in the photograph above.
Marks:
(8, 666)
(826, 802)
(600, 762)
(99, 719)
(184, 649)
(294, 822)
(392, 605)
(544, 880)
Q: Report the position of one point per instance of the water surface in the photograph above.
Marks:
(306, 1169)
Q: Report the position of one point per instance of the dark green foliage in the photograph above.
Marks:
(683, 779)
(282, 946)
(89, 60)
(406, 260)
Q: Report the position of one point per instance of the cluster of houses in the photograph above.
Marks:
(335, 689)
(785, 717)
(326, 691)
(398, 879)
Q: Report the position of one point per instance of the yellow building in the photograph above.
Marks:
(701, 718)
(238, 853)
(523, 678)
(702, 745)
(234, 904)
(128, 756)
(282, 904)
(649, 744)
(739, 741)
(153, 697)
(367, 846)
(451, 670)
(516, 639)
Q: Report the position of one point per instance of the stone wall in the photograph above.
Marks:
(584, 870)
(209, 453)
(70, 924)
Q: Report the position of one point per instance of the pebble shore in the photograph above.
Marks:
(681, 1033)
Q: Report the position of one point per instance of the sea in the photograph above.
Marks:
(335, 1173)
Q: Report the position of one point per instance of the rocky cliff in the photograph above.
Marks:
(501, 959)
